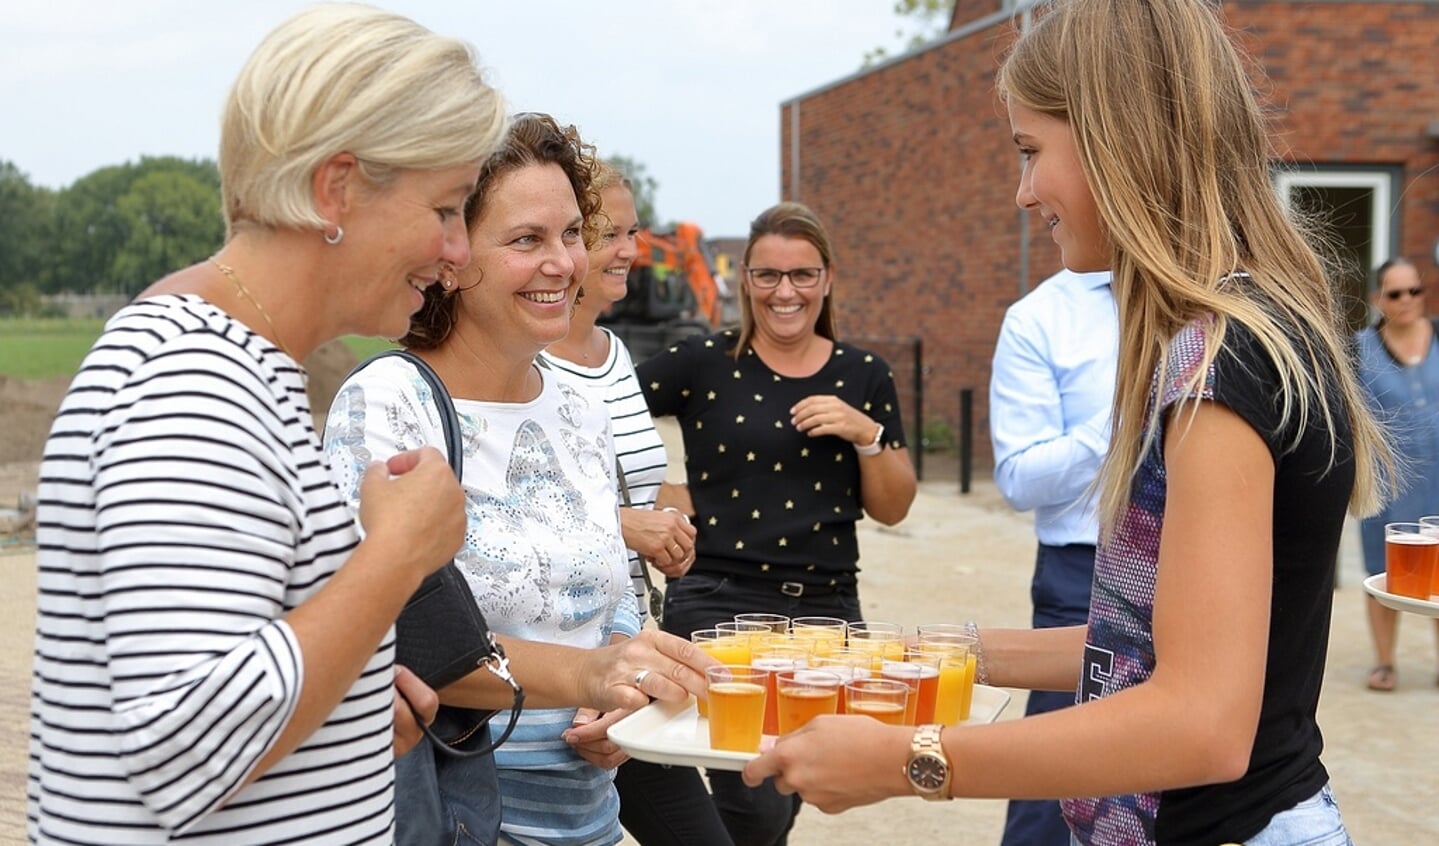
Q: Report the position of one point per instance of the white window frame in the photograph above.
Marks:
(1381, 212)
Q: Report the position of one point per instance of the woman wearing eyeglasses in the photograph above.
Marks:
(791, 436)
(1400, 369)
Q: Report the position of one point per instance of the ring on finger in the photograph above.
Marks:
(640, 677)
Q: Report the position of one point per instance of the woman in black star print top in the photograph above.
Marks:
(790, 437)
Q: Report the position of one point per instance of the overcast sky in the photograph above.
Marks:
(689, 88)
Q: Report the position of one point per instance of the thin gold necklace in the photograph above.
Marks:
(245, 292)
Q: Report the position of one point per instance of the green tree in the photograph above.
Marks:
(929, 19)
(171, 219)
(643, 185)
(92, 230)
(25, 211)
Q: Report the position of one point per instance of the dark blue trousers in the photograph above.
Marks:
(1063, 576)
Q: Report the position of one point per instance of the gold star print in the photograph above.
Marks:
(759, 398)
(704, 476)
(869, 358)
(736, 374)
(804, 453)
(789, 505)
(834, 541)
(734, 493)
(810, 568)
(838, 457)
(778, 467)
(721, 448)
(699, 424)
(784, 541)
(839, 383)
(739, 418)
(868, 405)
(754, 515)
(711, 395)
(816, 527)
(685, 393)
(714, 521)
(654, 386)
(888, 407)
(709, 343)
(838, 351)
(818, 485)
(749, 457)
(740, 544)
(776, 377)
(836, 509)
(764, 568)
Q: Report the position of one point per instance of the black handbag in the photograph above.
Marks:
(441, 634)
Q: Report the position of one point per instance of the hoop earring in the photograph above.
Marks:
(338, 237)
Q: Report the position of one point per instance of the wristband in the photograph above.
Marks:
(981, 673)
(874, 447)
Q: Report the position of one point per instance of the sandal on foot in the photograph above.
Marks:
(1381, 678)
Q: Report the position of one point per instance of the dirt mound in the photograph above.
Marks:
(27, 406)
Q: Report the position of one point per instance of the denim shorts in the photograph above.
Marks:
(1313, 822)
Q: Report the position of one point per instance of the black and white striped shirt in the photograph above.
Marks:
(638, 445)
(185, 507)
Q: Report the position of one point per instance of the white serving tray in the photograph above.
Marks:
(674, 732)
(1375, 585)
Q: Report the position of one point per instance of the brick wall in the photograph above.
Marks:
(912, 169)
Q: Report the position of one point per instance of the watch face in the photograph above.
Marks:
(927, 772)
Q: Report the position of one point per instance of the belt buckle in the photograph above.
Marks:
(791, 588)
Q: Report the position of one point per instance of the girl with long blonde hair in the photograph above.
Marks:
(1240, 439)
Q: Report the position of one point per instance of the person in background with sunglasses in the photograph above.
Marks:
(791, 436)
(1400, 369)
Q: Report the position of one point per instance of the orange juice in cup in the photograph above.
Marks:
(848, 664)
(928, 664)
(910, 675)
(805, 694)
(948, 639)
(826, 633)
(724, 647)
(882, 699)
(777, 623)
(737, 699)
(880, 641)
(771, 660)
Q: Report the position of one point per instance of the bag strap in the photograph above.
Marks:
(652, 597)
(497, 663)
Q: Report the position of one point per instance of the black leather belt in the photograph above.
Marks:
(798, 589)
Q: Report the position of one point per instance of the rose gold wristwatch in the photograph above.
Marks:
(928, 769)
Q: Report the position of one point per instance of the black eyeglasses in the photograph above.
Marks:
(1399, 292)
(800, 277)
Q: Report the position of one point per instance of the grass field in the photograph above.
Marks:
(43, 348)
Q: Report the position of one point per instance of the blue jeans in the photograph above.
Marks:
(1313, 822)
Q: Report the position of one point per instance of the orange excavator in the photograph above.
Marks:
(675, 290)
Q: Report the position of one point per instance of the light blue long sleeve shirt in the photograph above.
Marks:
(1050, 397)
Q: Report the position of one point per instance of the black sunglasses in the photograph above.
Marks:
(1399, 292)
